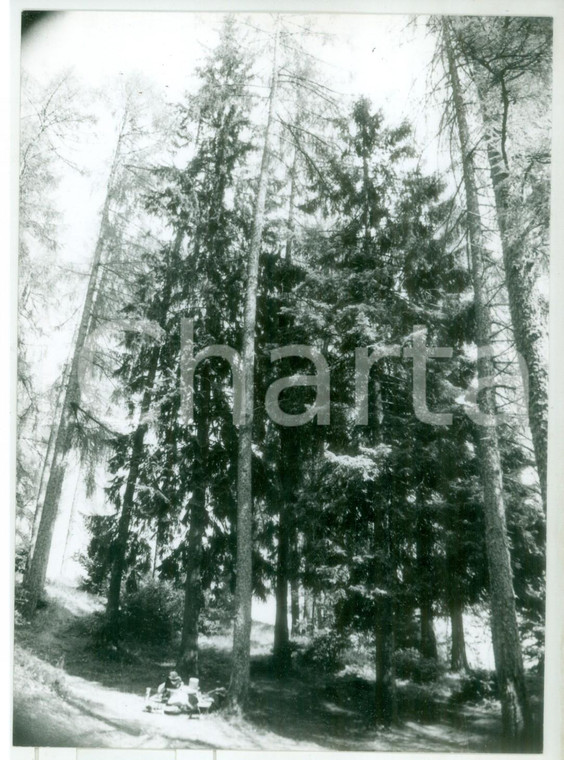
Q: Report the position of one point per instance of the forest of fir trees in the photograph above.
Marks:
(268, 210)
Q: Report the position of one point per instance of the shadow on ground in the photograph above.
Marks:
(299, 709)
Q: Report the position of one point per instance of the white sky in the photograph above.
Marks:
(166, 45)
(374, 55)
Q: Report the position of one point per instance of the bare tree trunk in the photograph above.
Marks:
(155, 555)
(386, 694)
(386, 700)
(240, 674)
(294, 559)
(455, 566)
(295, 586)
(281, 649)
(70, 523)
(35, 576)
(290, 222)
(319, 616)
(529, 327)
(458, 659)
(47, 463)
(288, 454)
(428, 641)
(505, 632)
(188, 664)
(308, 612)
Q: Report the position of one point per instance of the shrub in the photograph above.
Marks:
(325, 651)
(410, 665)
(152, 613)
(96, 630)
(475, 686)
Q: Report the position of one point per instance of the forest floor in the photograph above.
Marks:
(66, 695)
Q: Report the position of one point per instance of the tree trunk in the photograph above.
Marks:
(525, 304)
(119, 549)
(295, 589)
(288, 455)
(456, 565)
(290, 222)
(47, 464)
(188, 664)
(281, 650)
(240, 673)
(319, 607)
(428, 641)
(37, 570)
(386, 697)
(308, 612)
(505, 633)
(72, 516)
(458, 660)
(386, 694)
(155, 560)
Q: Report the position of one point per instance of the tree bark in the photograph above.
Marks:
(308, 612)
(290, 222)
(37, 571)
(240, 673)
(386, 693)
(428, 641)
(47, 464)
(458, 659)
(386, 696)
(188, 660)
(319, 608)
(281, 649)
(505, 633)
(528, 322)
(288, 454)
(295, 588)
(72, 516)
(455, 566)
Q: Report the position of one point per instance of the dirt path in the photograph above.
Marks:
(69, 711)
(66, 695)
(59, 710)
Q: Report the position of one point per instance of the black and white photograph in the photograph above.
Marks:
(282, 381)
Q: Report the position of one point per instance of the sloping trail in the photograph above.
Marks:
(56, 707)
(65, 696)
(70, 711)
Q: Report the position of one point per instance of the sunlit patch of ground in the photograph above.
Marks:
(66, 695)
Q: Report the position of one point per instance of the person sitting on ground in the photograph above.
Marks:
(171, 686)
(170, 692)
(174, 696)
